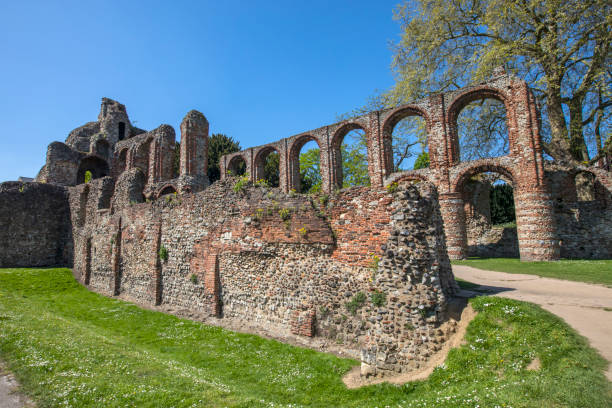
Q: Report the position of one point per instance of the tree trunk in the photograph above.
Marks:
(578, 146)
(559, 146)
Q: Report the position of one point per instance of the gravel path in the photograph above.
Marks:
(586, 307)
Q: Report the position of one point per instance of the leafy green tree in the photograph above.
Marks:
(562, 49)
(354, 160)
(271, 169)
(502, 204)
(219, 145)
(310, 171)
(422, 161)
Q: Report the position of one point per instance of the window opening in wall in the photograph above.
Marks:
(310, 167)
(482, 130)
(409, 144)
(354, 159)
(236, 167)
(585, 186)
(121, 130)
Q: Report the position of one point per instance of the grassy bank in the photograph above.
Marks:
(591, 271)
(70, 347)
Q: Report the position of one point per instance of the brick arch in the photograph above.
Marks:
(97, 166)
(166, 189)
(460, 102)
(478, 168)
(389, 124)
(259, 161)
(294, 159)
(410, 177)
(232, 165)
(335, 153)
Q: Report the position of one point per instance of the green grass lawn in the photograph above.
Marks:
(71, 347)
(592, 271)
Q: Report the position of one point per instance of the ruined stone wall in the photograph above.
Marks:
(280, 264)
(35, 225)
(583, 215)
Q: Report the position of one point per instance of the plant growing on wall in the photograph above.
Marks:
(356, 303)
(378, 298)
(163, 253)
(88, 176)
(241, 183)
(194, 278)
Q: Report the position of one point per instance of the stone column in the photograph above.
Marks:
(193, 167)
(536, 225)
(453, 214)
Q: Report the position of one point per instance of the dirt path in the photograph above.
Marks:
(582, 305)
(9, 395)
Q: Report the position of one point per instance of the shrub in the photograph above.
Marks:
(356, 302)
(241, 183)
(262, 183)
(163, 253)
(378, 298)
(88, 176)
(194, 279)
(285, 214)
(392, 188)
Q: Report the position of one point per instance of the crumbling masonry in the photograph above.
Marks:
(365, 268)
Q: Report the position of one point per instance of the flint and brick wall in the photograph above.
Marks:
(280, 263)
(35, 226)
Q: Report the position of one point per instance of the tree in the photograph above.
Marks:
(502, 204)
(310, 171)
(562, 49)
(271, 169)
(422, 161)
(219, 145)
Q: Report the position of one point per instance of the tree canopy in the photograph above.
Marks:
(561, 48)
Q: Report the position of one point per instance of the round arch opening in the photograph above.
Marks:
(93, 167)
(350, 157)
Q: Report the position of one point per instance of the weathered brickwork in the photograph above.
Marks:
(34, 227)
(281, 263)
(365, 268)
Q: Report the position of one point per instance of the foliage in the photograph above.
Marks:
(163, 253)
(354, 160)
(241, 183)
(502, 204)
(303, 232)
(284, 213)
(422, 161)
(356, 303)
(562, 49)
(193, 278)
(310, 171)
(259, 213)
(271, 169)
(378, 298)
(88, 176)
(592, 271)
(374, 262)
(392, 187)
(219, 145)
(262, 183)
(71, 347)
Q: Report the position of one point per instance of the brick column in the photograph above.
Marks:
(536, 226)
(212, 284)
(453, 214)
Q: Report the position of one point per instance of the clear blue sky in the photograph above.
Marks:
(258, 70)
